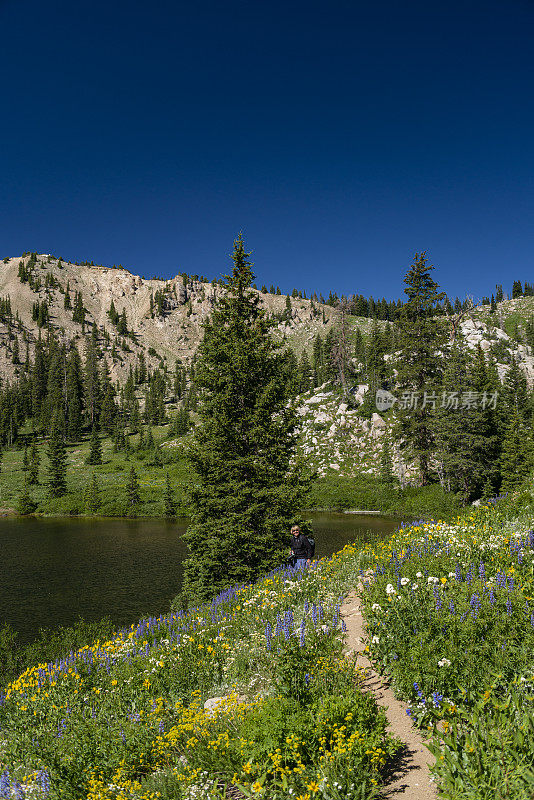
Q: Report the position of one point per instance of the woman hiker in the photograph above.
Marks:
(301, 548)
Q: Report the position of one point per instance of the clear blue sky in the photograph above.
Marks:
(340, 137)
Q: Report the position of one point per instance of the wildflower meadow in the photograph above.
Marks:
(253, 691)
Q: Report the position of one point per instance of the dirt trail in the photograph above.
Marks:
(412, 779)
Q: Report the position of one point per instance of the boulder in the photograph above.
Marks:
(377, 421)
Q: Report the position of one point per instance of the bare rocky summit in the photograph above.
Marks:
(172, 334)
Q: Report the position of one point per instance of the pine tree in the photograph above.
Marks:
(15, 353)
(465, 432)
(169, 501)
(33, 470)
(57, 458)
(181, 422)
(109, 411)
(247, 488)
(515, 391)
(516, 455)
(66, 300)
(420, 339)
(122, 324)
(93, 501)
(517, 290)
(25, 459)
(95, 448)
(133, 493)
(92, 385)
(74, 395)
(26, 504)
(157, 458)
(39, 378)
(375, 352)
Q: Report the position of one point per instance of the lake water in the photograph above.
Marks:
(55, 570)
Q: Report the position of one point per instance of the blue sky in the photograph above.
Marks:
(340, 137)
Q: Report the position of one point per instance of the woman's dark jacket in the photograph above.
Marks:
(301, 547)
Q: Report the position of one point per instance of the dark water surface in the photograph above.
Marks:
(56, 570)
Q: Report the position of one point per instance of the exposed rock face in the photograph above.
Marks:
(173, 334)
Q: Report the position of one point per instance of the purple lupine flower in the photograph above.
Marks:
(437, 698)
(287, 632)
(475, 605)
(508, 606)
(500, 580)
(161, 727)
(18, 791)
(482, 571)
(451, 607)
(123, 737)
(5, 784)
(344, 627)
(302, 632)
(314, 614)
(268, 635)
(492, 597)
(458, 573)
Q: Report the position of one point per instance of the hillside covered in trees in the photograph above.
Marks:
(98, 367)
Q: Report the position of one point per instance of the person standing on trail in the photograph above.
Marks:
(301, 548)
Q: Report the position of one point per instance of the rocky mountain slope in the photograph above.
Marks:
(172, 334)
(175, 331)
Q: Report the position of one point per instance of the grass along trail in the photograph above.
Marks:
(412, 779)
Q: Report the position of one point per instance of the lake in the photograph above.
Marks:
(56, 570)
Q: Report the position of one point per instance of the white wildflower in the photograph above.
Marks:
(390, 589)
(376, 607)
(444, 662)
(375, 640)
(404, 581)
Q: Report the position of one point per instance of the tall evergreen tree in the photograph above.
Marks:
(33, 469)
(516, 453)
(247, 487)
(92, 384)
(74, 394)
(39, 378)
(57, 458)
(181, 423)
(133, 492)
(95, 448)
(169, 500)
(109, 411)
(421, 337)
(93, 501)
